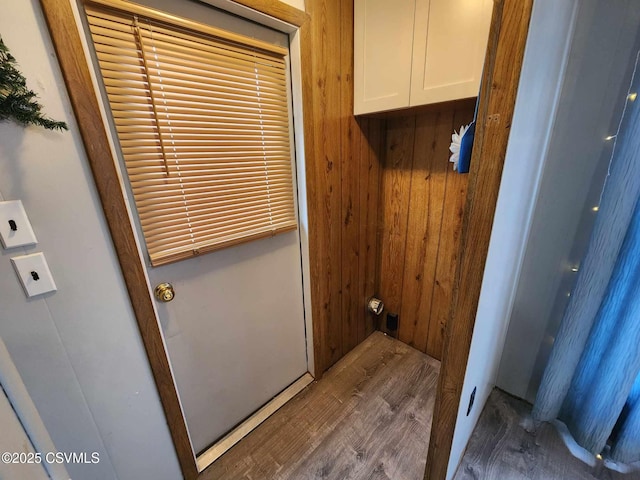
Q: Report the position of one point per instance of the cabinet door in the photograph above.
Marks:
(383, 34)
(450, 40)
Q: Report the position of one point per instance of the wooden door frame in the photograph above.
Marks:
(500, 81)
(502, 67)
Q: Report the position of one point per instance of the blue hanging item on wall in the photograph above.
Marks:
(461, 147)
(466, 146)
(462, 143)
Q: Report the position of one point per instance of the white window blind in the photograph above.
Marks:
(202, 118)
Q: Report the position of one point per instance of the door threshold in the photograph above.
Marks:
(245, 428)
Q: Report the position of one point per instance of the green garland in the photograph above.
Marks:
(17, 102)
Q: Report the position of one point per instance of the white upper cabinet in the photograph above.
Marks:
(417, 52)
(383, 39)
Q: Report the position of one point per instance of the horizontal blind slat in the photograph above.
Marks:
(169, 208)
(232, 224)
(123, 66)
(194, 194)
(166, 47)
(188, 242)
(223, 175)
(212, 170)
(221, 129)
(196, 185)
(211, 135)
(170, 201)
(193, 90)
(170, 256)
(188, 181)
(213, 217)
(269, 145)
(135, 100)
(133, 72)
(198, 118)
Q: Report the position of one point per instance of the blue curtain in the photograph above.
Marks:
(610, 363)
(627, 438)
(592, 380)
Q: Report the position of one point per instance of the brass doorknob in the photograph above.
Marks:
(164, 292)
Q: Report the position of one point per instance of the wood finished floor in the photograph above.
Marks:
(369, 417)
(500, 448)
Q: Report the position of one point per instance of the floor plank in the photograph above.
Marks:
(500, 448)
(369, 417)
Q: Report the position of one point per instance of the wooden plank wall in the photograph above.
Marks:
(343, 176)
(385, 207)
(420, 218)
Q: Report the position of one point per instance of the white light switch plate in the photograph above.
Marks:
(13, 212)
(32, 267)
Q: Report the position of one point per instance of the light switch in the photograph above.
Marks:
(34, 274)
(15, 229)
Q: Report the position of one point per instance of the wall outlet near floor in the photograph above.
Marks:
(472, 398)
(392, 322)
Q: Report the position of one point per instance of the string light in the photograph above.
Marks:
(596, 208)
(574, 269)
(610, 137)
(631, 96)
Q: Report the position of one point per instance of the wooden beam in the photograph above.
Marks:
(503, 63)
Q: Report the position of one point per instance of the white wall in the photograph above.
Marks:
(78, 350)
(599, 70)
(15, 439)
(542, 72)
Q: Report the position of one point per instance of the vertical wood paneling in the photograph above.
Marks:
(447, 257)
(326, 41)
(370, 178)
(428, 182)
(394, 210)
(351, 143)
(343, 177)
(421, 206)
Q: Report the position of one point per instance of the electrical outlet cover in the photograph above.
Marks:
(15, 229)
(34, 274)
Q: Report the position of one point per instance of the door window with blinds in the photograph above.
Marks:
(202, 118)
